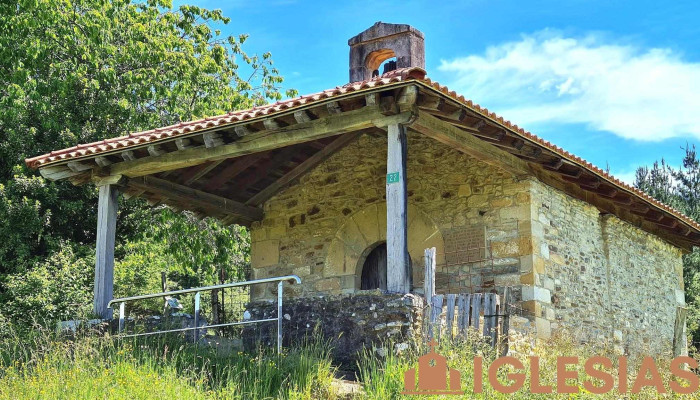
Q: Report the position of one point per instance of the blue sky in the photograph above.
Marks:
(615, 82)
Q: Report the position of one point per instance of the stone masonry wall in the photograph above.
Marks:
(322, 227)
(600, 278)
(366, 320)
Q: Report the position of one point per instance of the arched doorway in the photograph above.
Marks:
(365, 229)
(374, 269)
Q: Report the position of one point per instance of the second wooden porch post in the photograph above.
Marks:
(397, 274)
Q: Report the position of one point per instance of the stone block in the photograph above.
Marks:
(526, 264)
(548, 284)
(537, 229)
(277, 231)
(543, 328)
(327, 285)
(264, 253)
(536, 293)
(533, 308)
(478, 200)
(335, 260)
(347, 282)
(529, 278)
(257, 235)
(507, 280)
(518, 213)
(302, 271)
(367, 221)
(538, 263)
(617, 336)
(523, 198)
(505, 249)
(549, 313)
(464, 191)
(501, 202)
(557, 259)
(351, 235)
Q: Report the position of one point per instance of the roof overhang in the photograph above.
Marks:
(263, 150)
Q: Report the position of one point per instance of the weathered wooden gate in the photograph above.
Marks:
(451, 316)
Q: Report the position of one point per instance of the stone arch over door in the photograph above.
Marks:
(363, 230)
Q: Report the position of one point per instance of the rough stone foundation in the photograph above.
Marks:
(367, 319)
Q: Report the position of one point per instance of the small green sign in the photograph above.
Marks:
(392, 178)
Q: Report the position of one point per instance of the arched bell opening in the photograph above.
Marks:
(376, 60)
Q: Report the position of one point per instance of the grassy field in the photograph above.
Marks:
(43, 367)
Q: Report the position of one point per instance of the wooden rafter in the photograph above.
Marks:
(195, 173)
(231, 171)
(195, 198)
(264, 168)
(465, 142)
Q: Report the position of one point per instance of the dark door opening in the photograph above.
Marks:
(374, 269)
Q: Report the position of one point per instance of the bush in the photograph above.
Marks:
(59, 288)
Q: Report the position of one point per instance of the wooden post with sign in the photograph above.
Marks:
(398, 279)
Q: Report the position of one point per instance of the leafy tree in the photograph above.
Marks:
(680, 188)
(76, 71)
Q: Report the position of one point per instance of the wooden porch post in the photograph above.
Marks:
(397, 280)
(104, 260)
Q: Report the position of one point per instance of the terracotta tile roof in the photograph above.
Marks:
(140, 138)
(396, 76)
(561, 152)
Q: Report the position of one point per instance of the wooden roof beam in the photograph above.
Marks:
(231, 171)
(56, 172)
(585, 182)
(331, 125)
(195, 173)
(465, 142)
(264, 168)
(195, 198)
(78, 166)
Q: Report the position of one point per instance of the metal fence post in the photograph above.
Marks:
(122, 306)
(197, 297)
(279, 317)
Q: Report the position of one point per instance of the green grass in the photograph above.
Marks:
(157, 368)
(39, 365)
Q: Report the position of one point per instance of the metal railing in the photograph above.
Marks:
(197, 297)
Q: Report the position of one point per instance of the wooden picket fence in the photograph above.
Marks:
(450, 316)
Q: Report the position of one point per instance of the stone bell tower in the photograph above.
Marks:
(382, 41)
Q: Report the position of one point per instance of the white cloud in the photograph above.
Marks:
(643, 94)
